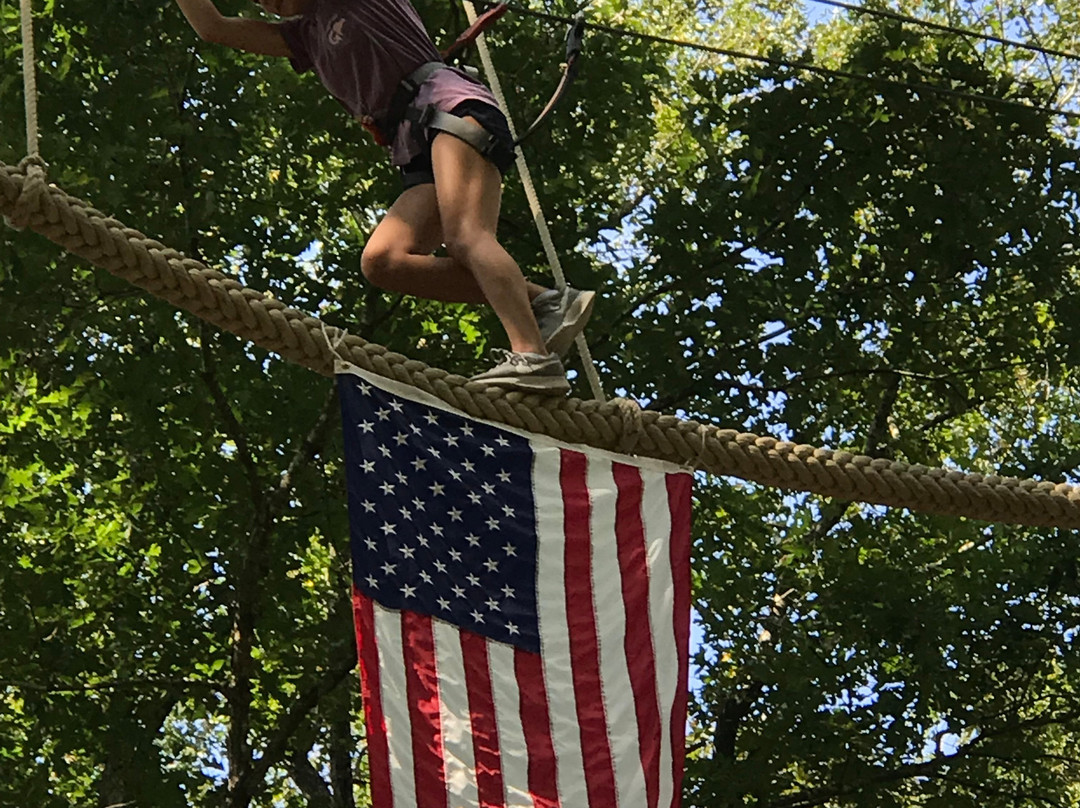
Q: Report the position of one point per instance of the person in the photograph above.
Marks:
(451, 144)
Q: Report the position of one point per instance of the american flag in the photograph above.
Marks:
(522, 611)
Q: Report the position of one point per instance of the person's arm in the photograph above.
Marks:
(254, 36)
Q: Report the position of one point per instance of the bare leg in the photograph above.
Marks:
(398, 255)
(468, 191)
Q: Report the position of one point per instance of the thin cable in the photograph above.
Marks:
(534, 201)
(30, 95)
(937, 26)
(809, 68)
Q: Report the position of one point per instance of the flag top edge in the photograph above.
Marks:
(342, 368)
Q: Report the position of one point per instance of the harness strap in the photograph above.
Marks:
(482, 23)
(483, 141)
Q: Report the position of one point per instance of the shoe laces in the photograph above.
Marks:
(504, 357)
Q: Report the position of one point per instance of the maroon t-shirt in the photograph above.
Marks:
(362, 49)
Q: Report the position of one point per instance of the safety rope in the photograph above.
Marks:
(30, 94)
(587, 362)
(617, 425)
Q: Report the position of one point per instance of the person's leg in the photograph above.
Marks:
(398, 254)
(468, 192)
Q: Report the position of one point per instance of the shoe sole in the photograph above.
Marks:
(573, 324)
(556, 386)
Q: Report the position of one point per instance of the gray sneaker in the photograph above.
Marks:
(527, 373)
(561, 315)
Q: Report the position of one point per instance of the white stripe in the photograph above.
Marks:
(395, 704)
(611, 626)
(458, 757)
(513, 754)
(554, 634)
(656, 516)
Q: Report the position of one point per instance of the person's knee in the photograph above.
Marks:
(464, 244)
(377, 262)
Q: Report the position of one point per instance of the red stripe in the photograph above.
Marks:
(678, 486)
(378, 749)
(581, 623)
(638, 641)
(422, 687)
(536, 722)
(485, 732)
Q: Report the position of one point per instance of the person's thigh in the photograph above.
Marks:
(411, 226)
(468, 187)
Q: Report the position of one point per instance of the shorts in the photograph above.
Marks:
(419, 171)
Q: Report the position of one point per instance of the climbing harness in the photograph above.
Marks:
(383, 126)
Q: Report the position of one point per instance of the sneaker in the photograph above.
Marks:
(561, 315)
(527, 372)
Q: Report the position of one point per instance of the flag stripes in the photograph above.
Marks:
(588, 710)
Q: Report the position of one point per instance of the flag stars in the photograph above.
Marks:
(455, 555)
(444, 604)
(418, 503)
(371, 544)
(422, 540)
(419, 464)
(489, 489)
(455, 515)
(388, 568)
(479, 618)
(408, 591)
(466, 430)
(434, 452)
(469, 466)
(372, 581)
(473, 579)
(387, 488)
(368, 466)
(401, 438)
(408, 552)
(426, 577)
(456, 475)
(502, 441)
(487, 450)
(508, 511)
(431, 418)
(385, 450)
(474, 498)
(437, 530)
(369, 506)
(504, 476)
(492, 523)
(383, 413)
(492, 565)
(473, 540)
(510, 550)
(438, 489)
(492, 604)
(389, 529)
(458, 590)
(440, 566)
(508, 591)
(406, 514)
(402, 478)
(512, 628)
(451, 440)
(397, 406)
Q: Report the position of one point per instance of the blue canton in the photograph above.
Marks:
(442, 514)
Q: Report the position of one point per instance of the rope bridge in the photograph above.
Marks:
(30, 201)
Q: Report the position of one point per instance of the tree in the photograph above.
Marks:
(840, 262)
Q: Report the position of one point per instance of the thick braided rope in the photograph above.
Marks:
(616, 426)
(587, 363)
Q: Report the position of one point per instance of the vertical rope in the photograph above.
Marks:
(534, 201)
(30, 96)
